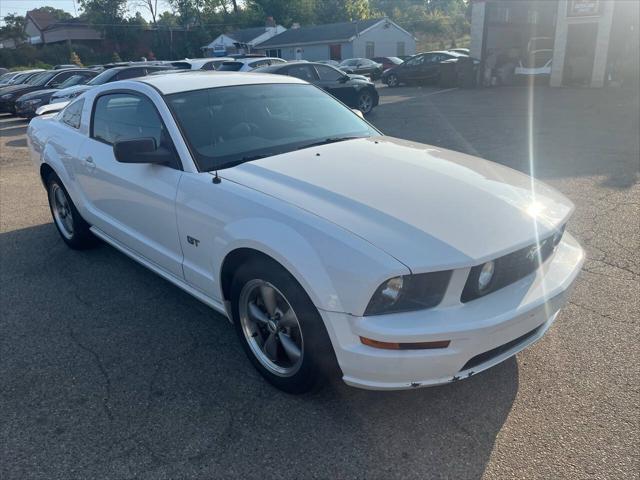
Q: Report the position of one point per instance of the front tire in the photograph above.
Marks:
(365, 102)
(392, 80)
(70, 225)
(280, 329)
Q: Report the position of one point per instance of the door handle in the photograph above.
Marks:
(89, 163)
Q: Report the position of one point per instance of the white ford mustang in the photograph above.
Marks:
(330, 246)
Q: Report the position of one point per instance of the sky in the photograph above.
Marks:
(21, 7)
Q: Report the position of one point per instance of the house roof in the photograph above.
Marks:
(246, 34)
(320, 33)
(42, 19)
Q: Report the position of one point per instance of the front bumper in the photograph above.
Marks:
(482, 332)
(26, 110)
(7, 106)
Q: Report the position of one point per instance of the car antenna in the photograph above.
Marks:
(216, 178)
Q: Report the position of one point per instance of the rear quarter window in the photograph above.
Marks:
(72, 114)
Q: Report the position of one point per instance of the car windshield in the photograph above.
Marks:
(19, 78)
(74, 80)
(41, 78)
(103, 78)
(230, 66)
(347, 63)
(227, 126)
(395, 60)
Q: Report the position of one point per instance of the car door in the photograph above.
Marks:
(333, 81)
(410, 71)
(132, 203)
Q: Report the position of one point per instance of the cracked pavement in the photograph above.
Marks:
(108, 371)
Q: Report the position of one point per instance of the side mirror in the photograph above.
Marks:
(142, 150)
(357, 112)
(344, 79)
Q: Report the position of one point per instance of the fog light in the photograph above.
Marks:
(486, 275)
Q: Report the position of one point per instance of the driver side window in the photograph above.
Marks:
(328, 74)
(125, 116)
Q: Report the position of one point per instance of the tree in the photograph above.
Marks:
(75, 59)
(57, 13)
(104, 12)
(151, 6)
(13, 28)
(286, 12)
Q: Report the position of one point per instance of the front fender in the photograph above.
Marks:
(291, 250)
(338, 271)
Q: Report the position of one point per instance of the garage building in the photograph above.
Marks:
(582, 42)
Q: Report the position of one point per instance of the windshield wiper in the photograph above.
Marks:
(327, 141)
(248, 158)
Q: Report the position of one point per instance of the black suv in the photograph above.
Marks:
(354, 91)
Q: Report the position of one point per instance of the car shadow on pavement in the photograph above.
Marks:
(114, 371)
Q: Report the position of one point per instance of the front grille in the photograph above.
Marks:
(496, 352)
(511, 267)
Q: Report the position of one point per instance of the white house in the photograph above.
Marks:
(242, 41)
(379, 37)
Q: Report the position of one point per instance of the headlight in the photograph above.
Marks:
(34, 101)
(486, 275)
(408, 293)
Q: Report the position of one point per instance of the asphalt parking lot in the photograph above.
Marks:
(108, 371)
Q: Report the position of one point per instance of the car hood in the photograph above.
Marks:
(38, 94)
(355, 76)
(15, 89)
(69, 90)
(429, 208)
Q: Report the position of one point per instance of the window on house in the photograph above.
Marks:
(400, 49)
(370, 49)
(274, 53)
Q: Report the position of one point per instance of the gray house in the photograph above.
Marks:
(379, 37)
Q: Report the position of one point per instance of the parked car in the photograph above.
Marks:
(27, 104)
(246, 64)
(201, 63)
(333, 63)
(41, 81)
(109, 75)
(16, 78)
(355, 92)
(536, 66)
(423, 67)
(331, 247)
(362, 66)
(387, 62)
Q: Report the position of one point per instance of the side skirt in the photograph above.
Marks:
(215, 304)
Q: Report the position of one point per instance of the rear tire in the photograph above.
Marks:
(70, 225)
(280, 329)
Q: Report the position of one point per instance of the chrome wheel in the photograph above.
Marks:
(365, 102)
(392, 81)
(271, 328)
(61, 208)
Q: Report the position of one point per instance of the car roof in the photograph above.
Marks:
(252, 59)
(198, 80)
